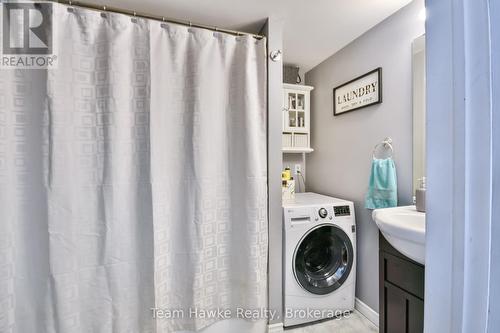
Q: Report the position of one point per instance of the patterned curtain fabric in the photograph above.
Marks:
(133, 179)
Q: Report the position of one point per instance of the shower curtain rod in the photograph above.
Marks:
(152, 17)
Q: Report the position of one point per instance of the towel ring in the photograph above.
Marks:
(387, 143)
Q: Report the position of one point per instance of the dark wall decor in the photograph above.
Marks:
(363, 91)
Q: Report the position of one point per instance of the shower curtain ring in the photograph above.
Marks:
(103, 14)
(70, 8)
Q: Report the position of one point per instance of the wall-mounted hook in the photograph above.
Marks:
(275, 55)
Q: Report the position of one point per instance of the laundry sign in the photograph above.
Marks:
(358, 93)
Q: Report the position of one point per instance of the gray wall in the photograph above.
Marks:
(340, 163)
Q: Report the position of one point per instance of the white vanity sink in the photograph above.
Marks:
(404, 228)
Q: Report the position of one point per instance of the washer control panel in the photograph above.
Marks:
(342, 210)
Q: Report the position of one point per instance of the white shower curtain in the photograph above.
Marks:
(133, 180)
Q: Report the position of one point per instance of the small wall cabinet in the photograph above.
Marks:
(401, 291)
(296, 118)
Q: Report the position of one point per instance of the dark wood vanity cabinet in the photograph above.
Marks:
(401, 291)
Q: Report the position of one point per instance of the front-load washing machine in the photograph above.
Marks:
(319, 258)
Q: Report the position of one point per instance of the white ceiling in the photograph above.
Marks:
(313, 29)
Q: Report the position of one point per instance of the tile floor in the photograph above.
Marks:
(355, 323)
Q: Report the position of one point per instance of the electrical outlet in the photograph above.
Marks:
(298, 169)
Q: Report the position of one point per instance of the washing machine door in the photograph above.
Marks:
(323, 259)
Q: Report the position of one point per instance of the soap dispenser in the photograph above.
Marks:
(420, 196)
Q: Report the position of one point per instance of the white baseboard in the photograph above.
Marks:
(366, 311)
(362, 308)
(275, 328)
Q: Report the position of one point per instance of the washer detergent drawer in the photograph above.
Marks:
(298, 217)
(300, 220)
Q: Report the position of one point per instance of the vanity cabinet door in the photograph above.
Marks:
(404, 313)
(401, 291)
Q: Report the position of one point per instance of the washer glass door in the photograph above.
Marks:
(323, 259)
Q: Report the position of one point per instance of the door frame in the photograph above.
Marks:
(463, 166)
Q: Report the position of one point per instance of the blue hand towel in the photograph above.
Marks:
(383, 187)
